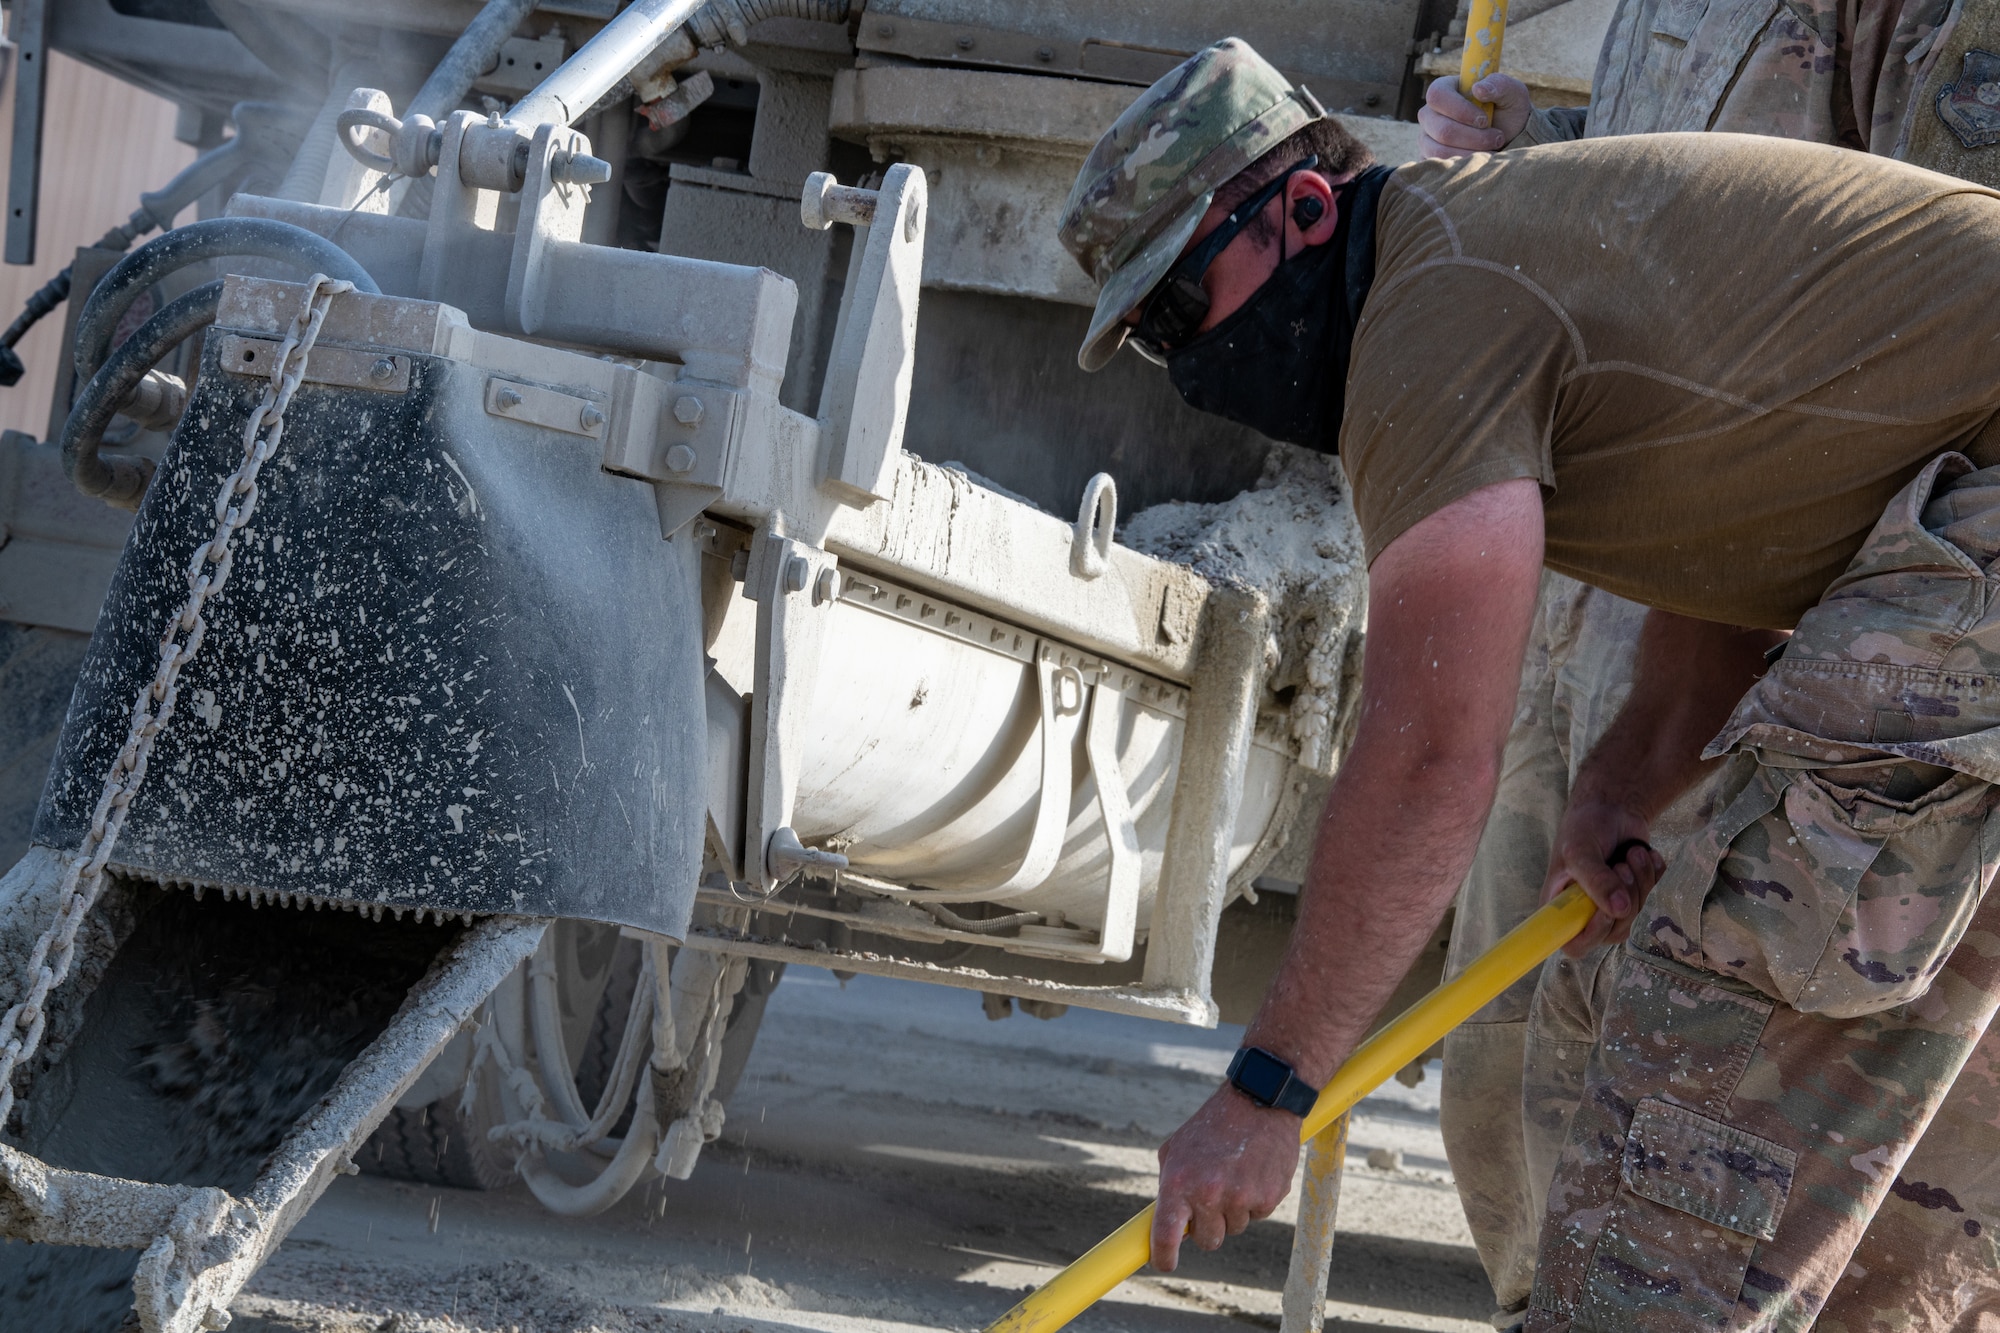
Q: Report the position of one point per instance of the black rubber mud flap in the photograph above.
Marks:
(455, 667)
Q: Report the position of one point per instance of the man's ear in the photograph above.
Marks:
(1311, 213)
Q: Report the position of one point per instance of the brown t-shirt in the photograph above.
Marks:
(1720, 354)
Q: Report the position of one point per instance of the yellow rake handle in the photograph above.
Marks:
(1122, 1253)
(1485, 28)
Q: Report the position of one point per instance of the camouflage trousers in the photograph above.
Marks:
(1513, 1072)
(1773, 1129)
(1515, 1069)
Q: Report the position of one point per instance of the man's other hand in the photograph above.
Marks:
(1585, 840)
(1230, 1165)
(1454, 124)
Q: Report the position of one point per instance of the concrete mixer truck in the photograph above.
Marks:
(599, 508)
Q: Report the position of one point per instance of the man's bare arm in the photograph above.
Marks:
(1449, 607)
(1690, 675)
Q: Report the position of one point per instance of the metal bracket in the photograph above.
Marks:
(864, 402)
(551, 212)
(1121, 891)
(24, 168)
(1055, 680)
(794, 586)
(341, 367)
(460, 215)
(518, 400)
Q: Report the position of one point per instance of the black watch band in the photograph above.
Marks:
(1269, 1081)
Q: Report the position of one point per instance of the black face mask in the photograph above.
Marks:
(1279, 363)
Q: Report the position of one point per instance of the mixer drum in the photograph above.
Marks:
(455, 666)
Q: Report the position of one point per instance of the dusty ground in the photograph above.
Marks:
(893, 1161)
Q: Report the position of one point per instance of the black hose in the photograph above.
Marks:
(216, 238)
(122, 480)
(50, 295)
(476, 51)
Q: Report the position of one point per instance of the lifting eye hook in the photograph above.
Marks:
(1096, 519)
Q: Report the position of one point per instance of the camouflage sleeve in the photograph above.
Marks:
(1556, 124)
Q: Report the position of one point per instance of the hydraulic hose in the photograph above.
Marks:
(476, 51)
(1122, 1253)
(216, 238)
(121, 481)
(611, 1184)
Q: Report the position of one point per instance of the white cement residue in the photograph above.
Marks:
(1294, 537)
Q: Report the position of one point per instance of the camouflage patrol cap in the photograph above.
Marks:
(1146, 184)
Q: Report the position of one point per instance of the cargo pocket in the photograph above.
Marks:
(1848, 894)
(1694, 1198)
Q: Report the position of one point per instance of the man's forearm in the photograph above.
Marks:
(1396, 840)
(1690, 675)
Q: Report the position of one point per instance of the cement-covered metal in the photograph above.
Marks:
(456, 668)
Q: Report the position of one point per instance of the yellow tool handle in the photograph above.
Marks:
(1125, 1251)
(1485, 28)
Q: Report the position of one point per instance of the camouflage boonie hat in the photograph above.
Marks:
(1154, 173)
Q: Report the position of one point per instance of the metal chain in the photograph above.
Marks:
(83, 875)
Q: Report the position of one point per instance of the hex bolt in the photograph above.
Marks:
(797, 573)
(508, 398)
(827, 588)
(687, 409)
(680, 458)
(383, 370)
(591, 416)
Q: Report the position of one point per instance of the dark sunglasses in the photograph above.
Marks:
(1174, 310)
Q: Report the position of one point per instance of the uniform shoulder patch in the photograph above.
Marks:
(1970, 105)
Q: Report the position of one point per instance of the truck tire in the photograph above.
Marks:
(439, 1145)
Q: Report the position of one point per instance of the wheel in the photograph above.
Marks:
(439, 1145)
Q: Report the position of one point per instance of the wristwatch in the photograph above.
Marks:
(1269, 1081)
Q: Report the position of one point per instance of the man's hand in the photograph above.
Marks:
(1228, 1166)
(1590, 832)
(1455, 125)
(1688, 678)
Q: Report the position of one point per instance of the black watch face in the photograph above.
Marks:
(1261, 1075)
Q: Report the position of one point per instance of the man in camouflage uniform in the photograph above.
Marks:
(1763, 1075)
(1829, 74)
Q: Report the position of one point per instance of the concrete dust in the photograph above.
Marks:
(1294, 537)
(893, 1161)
